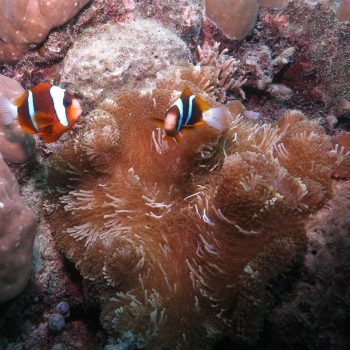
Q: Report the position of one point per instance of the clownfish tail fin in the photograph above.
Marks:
(217, 118)
(8, 111)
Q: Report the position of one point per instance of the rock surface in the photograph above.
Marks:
(116, 57)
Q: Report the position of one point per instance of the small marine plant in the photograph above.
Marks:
(178, 242)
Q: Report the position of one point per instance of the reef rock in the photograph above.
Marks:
(118, 57)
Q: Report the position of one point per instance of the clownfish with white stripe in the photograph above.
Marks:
(188, 112)
(46, 110)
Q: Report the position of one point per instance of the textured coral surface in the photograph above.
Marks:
(23, 23)
(17, 228)
(235, 18)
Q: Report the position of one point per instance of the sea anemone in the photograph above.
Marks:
(180, 241)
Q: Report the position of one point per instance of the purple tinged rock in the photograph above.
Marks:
(63, 309)
(56, 323)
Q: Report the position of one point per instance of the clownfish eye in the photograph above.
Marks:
(66, 102)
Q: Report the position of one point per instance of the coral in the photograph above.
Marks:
(120, 57)
(178, 242)
(254, 67)
(17, 228)
(318, 73)
(24, 23)
(225, 65)
(235, 18)
(15, 145)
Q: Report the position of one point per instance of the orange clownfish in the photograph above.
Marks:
(189, 111)
(46, 110)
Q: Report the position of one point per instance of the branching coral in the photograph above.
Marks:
(255, 68)
(179, 241)
(17, 228)
(24, 23)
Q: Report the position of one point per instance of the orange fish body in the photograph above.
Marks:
(47, 110)
(188, 112)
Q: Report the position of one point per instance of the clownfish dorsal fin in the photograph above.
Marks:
(22, 99)
(203, 106)
(159, 122)
(186, 92)
(41, 86)
(42, 120)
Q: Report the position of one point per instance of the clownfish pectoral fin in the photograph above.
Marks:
(42, 120)
(47, 130)
(186, 92)
(187, 129)
(49, 138)
(203, 106)
(159, 122)
(200, 123)
(177, 138)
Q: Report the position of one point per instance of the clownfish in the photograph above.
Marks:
(188, 112)
(46, 110)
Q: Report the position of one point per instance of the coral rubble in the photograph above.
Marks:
(179, 242)
(17, 228)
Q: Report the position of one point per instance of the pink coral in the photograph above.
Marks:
(17, 228)
(235, 18)
(24, 23)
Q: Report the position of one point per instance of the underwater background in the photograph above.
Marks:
(114, 236)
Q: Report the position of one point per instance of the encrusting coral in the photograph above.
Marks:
(24, 23)
(17, 228)
(178, 242)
